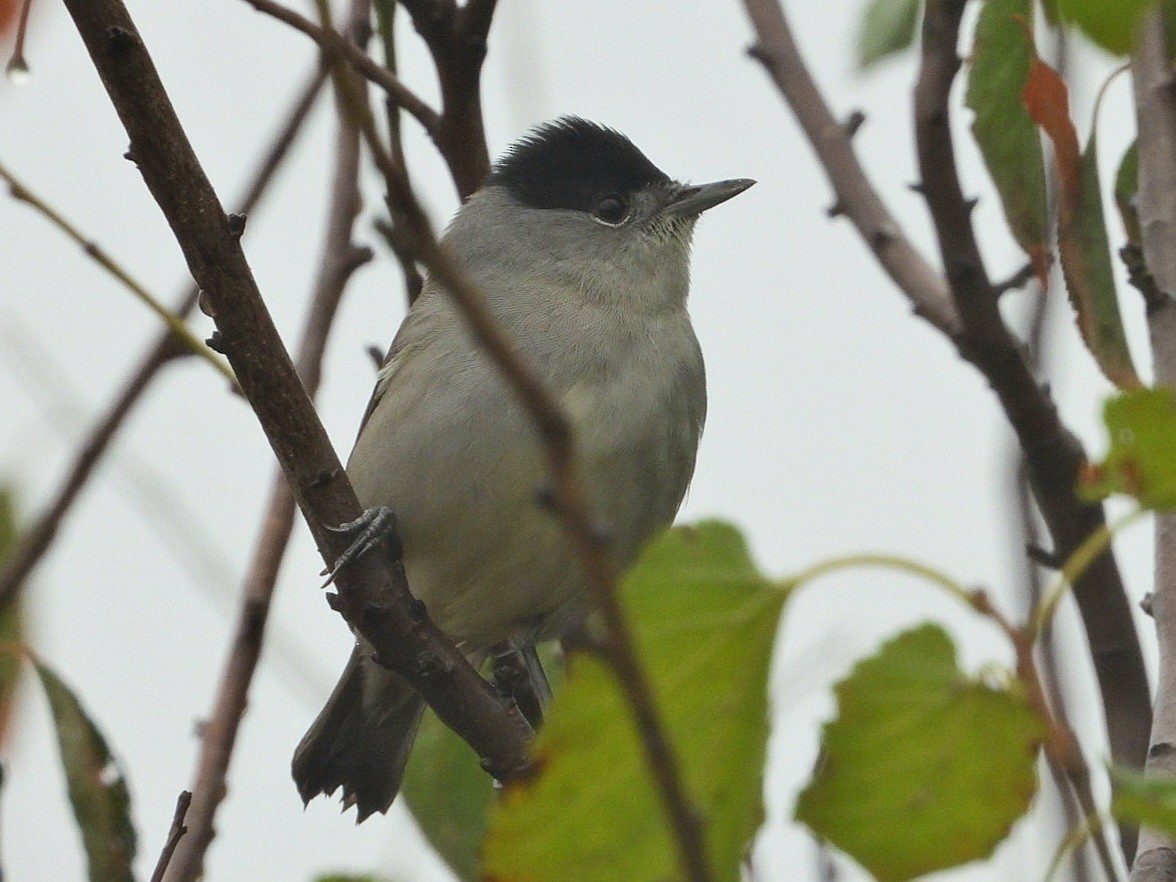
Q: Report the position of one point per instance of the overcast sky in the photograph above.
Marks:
(837, 422)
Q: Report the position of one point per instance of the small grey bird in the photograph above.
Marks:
(582, 247)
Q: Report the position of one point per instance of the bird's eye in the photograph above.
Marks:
(611, 210)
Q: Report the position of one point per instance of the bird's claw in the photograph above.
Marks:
(371, 528)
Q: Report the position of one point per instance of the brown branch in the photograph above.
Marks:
(1155, 113)
(336, 45)
(856, 197)
(174, 835)
(456, 37)
(1053, 454)
(340, 258)
(36, 539)
(373, 595)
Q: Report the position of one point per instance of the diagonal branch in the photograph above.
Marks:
(335, 44)
(971, 319)
(1053, 453)
(341, 257)
(373, 595)
(36, 539)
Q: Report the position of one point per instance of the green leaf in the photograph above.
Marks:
(1126, 186)
(923, 768)
(97, 788)
(11, 620)
(1109, 23)
(1141, 461)
(1006, 135)
(1140, 800)
(705, 622)
(1082, 234)
(887, 28)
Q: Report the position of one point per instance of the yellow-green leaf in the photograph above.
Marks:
(887, 28)
(1141, 461)
(1109, 23)
(705, 622)
(97, 788)
(924, 768)
(1140, 800)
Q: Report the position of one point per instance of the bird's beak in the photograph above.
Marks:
(694, 200)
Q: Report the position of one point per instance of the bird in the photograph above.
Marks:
(581, 246)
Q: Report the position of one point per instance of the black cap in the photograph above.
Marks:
(573, 163)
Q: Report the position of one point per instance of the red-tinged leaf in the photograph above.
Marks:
(1006, 135)
(1048, 102)
(1083, 245)
(97, 788)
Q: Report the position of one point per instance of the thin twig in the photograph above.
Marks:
(1053, 454)
(339, 261)
(18, 64)
(93, 250)
(36, 539)
(373, 595)
(174, 835)
(856, 197)
(335, 44)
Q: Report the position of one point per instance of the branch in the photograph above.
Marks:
(1053, 454)
(1155, 113)
(456, 37)
(179, 330)
(335, 45)
(373, 596)
(36, 539)
(174, 835)
(339, 261)
(856, 197)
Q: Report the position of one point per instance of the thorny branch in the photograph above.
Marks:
(37, 538)
(340, 259)
(971, 319)
(373, 595)
(1053, 454)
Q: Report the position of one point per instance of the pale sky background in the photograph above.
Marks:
(838, 422)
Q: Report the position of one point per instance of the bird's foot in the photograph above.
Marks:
(373, 527)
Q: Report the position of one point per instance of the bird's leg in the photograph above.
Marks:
(373, 527)
(519, 676)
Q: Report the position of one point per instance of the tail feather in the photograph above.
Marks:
(361, 740)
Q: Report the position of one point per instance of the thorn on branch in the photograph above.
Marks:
(853, 122)
(970, 203)
(757, 52)
(335, 602)
(1146, 604)
(837, 209)
(130, 154)
(236, 224)
(1043, 557)
(1017, 280)
(120, 41)
(216, 343)
(376, 355)
(917, 187)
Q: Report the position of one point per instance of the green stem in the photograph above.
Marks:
(178, 328)
(1078, 562)
(888, 561)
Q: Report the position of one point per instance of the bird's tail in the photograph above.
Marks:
(361, 740)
